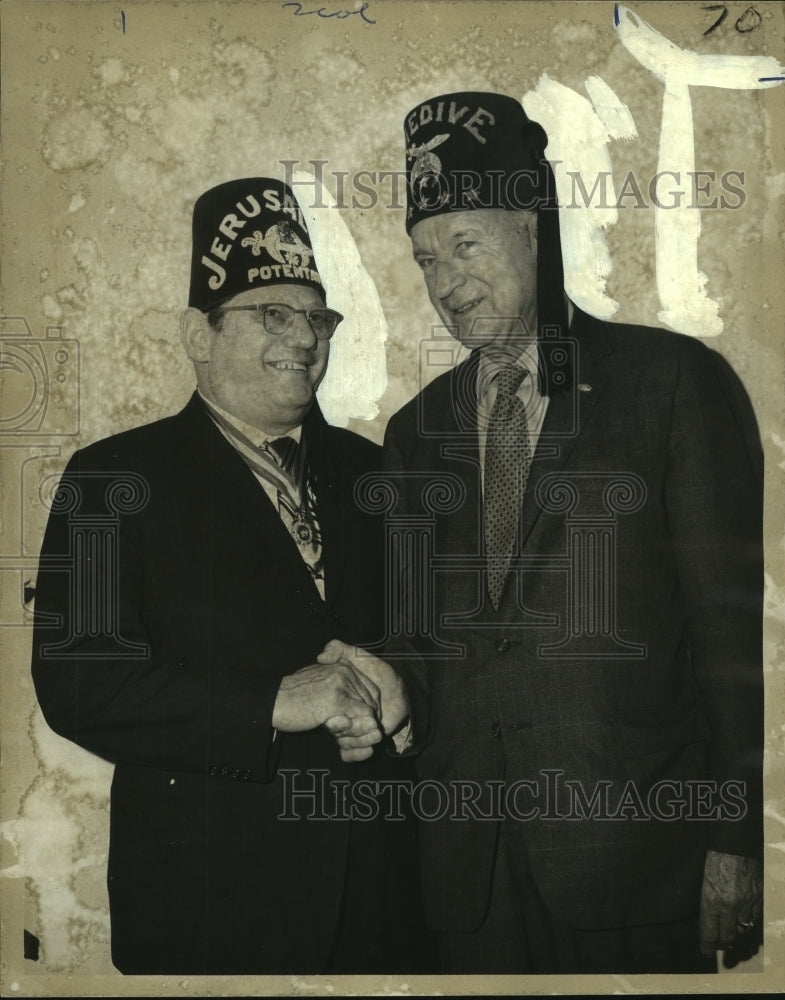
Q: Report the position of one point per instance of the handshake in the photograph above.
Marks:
(355, 695)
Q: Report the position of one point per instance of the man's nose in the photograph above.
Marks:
(300, 332)
(447, 277)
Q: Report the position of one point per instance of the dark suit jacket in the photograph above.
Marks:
(631, 655)
(170, 603)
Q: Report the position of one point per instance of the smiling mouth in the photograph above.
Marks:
(466, 307)
(288, 366)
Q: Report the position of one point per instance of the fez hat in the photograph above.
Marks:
(473, 150)
(247, 234)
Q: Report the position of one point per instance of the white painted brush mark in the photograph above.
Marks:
(613, 114)
(357, 373)
(680, 284)
(584, 182)
(583, 171)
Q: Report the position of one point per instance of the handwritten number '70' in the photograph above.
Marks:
(748, 21)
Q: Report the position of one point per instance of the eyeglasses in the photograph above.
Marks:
(277, 317)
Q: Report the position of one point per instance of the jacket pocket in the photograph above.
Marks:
(652, 729)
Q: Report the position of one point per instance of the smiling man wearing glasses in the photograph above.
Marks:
(192, 571)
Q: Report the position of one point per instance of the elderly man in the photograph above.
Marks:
(584, 651)
(192, 571)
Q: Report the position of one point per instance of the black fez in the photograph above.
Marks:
(472, 150)
(476, 150)
(247, 234)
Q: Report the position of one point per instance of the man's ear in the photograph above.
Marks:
(195, 333)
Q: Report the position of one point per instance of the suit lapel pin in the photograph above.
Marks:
(583, 387)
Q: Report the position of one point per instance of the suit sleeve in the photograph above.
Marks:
(401, 651)
(99, 677)
(714, 504)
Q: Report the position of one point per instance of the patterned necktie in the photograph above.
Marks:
(508, 458)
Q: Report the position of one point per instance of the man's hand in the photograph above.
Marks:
(731, 899)
(356, 737)
(376, 672)
(332, 693)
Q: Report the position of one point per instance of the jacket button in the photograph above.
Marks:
(502, 645)
(496, 730)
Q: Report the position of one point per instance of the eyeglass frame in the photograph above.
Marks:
(260, 307)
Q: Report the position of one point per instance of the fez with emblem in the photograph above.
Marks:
(476, 150)
(247, 234)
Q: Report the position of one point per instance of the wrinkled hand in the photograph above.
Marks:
(394, 700)
(334, 695)
(731, 899)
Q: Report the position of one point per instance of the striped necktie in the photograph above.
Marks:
(285, 450)
(283, 457)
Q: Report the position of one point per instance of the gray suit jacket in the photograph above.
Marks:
(618, 688)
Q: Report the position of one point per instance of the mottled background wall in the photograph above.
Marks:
(114, 118)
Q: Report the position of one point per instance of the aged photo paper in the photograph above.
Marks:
(117, 114)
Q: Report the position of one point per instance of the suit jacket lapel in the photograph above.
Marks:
(333, 500)
(235, 492)
(459, 455)
(567, 416)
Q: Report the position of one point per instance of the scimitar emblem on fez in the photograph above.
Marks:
(281, 243)
(427, 162)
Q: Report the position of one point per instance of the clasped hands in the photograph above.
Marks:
(355, 695)
(358, 697)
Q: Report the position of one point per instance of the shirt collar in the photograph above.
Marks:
(490, 367)
(257, 437)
